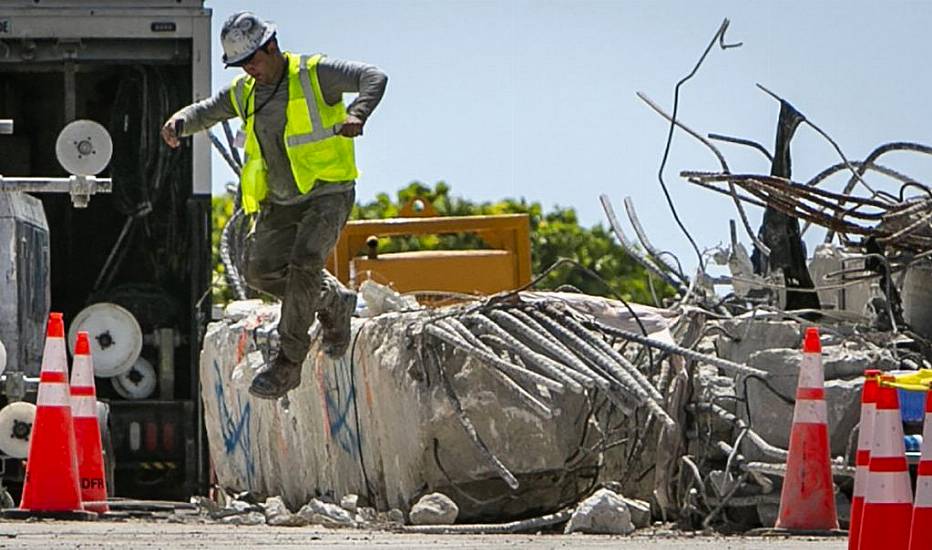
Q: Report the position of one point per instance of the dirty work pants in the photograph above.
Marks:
(286, 257)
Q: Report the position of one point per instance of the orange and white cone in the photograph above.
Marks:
(888, 502)
(51, 484)
(807, 501)
(920, 537)
(863, 456)
(87, 428)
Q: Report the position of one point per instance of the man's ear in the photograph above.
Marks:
(272, 46)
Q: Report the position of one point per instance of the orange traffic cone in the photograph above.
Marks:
(51, 484)
(888, 502)
(862, 459)
(808, 499)
(86, 428)
(920, 537)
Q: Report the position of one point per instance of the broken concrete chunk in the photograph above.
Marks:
(395, 516)
(714, 388)
(326, 514)
(840, 362)
(381, 299)
(205, 505)
(350, 503)
(770, 402)
(276, 513)
(242, 506)
(738, 339)
(605, 512)
(640, 511)
(434, 509)
(249, 518)
(238, 310)
(365, 515)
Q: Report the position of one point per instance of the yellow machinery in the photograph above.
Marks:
(506, 265)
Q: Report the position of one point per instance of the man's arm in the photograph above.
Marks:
(337, 77)
(198, 116)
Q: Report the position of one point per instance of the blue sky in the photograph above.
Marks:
(536, 99)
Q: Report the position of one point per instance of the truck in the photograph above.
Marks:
(132, 266)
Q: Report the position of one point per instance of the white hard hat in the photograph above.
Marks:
(242, 34)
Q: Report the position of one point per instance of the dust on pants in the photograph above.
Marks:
(286, 256)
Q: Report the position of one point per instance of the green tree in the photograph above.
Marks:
(554, 234)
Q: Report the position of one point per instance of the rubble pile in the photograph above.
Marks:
(526, 410)
(522, 405)
(865, 288)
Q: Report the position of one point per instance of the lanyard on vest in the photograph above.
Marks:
(252, 92)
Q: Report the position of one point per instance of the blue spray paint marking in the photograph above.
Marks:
(341, 401)
(235, 431)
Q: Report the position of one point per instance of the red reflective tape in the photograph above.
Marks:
(52, 377)
(925, 468)
(863, 458)
(888, 464)
(82, 391)
(810, 393)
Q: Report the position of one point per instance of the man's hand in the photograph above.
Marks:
(352, 127)
(169, 135)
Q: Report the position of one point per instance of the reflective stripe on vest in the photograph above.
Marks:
(318, 131)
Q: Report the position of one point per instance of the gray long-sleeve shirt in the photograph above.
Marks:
(335, 76)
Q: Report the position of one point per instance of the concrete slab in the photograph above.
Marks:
(377, 423)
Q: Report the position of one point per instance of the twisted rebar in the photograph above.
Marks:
(729, 367)
(453, 325)
(490, 359)
(542, 363)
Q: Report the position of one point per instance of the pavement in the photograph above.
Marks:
(46, 534)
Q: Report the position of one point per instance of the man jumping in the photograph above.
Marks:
(299, 175)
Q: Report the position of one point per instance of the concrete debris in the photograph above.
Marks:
(205, 505)
(381, 299)
(350, 503)
(242, 506)
(240, 309)
(248, 518)
(276, 513)
(451, 399)
(512, 409)
(604, 513)
(393, 516)
(770, 401)
(318, 512)
(737, 339)
(434, 509)
(640, 511)
(366, 515)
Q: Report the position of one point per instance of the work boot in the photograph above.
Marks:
(336, 323)
(277, 380)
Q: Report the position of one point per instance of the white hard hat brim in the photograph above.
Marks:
(270, 31)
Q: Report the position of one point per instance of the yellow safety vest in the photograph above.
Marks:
(315, 151)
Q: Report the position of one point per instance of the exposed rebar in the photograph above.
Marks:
(453, 325)
(729, 367)
(605, 364)
(491, 359)
(470, 429)
(540, 362)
